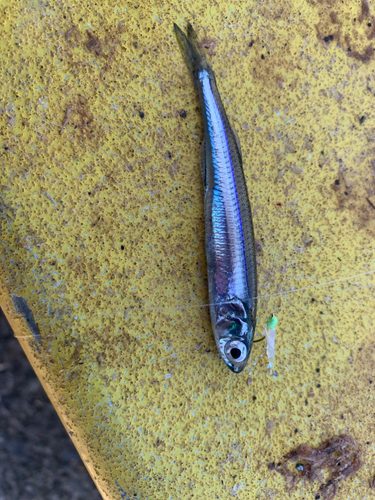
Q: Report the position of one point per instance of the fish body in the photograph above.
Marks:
(230, 244)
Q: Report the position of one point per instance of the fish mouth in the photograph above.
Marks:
(236, 369)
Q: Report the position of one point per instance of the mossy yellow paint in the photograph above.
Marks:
(103, 235)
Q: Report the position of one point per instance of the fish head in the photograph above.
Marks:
(234, 332)
(234, 350)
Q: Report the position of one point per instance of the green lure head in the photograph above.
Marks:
(271, 321)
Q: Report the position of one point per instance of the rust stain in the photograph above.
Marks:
(77, 114)
(332, 461)
(348, 35)
(77, 351)
(210, 44)
(355, 195)
(99, 358)
(93, 44)
(73, 33)
(365, 57)
(365, 10)
(105, 49)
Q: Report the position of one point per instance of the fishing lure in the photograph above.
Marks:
(270, 335)
(230, 244)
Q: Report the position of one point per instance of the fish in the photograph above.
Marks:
(229, 231)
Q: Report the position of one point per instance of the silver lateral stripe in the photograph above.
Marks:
(226, 217)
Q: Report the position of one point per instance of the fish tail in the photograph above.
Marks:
(192, 51)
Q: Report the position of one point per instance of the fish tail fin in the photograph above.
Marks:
(192, 51)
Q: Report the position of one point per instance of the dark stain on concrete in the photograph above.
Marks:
(21, 306)
(329, 463)
(331, 29)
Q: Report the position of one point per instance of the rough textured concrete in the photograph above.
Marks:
(103, 235)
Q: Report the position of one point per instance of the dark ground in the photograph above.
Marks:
(37, 458)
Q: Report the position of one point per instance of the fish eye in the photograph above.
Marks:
(235, 351)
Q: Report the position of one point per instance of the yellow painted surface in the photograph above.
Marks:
(103, 235)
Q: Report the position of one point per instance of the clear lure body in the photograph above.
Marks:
(230, 244)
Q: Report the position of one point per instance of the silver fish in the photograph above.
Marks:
(230, 244)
